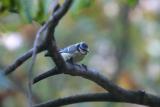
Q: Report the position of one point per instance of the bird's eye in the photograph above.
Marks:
(84, 45)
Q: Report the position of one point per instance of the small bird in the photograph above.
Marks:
(74, 53)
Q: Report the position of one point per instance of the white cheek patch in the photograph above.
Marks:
(83, 52)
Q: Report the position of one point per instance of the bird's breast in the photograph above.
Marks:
(66, 56)
(78, 57)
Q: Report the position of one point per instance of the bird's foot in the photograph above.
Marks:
(85, 67)
(71, 62)
(75, 64)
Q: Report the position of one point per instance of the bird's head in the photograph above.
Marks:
(83, 48)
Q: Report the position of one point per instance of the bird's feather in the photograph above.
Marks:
(69, 49)
(66, 56)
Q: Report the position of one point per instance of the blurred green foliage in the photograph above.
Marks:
(123, 36)
(130, 2)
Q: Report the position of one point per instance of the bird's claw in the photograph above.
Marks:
(85, 67)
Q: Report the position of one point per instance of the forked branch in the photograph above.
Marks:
(123, 95)
(115, 93)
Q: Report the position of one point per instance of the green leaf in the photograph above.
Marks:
(26, 9)
(80, 5)
(9, 5)
(85, 3)
(132, 2)
(40, 14)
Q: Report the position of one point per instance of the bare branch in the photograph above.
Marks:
(19, 61)
(137, 97)
(47, 74)
(91, 74)
(102, 97)
(63, 10)
(58, 13)
(80, 98)
(37, 42)
(52, 48)
(116, 93)
(94, 75)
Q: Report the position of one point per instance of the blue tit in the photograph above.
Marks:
(74, 53)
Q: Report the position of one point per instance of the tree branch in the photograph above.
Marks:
(52, 48)
(47, 74)
(79, 99)
(63, 10)
(93, 75)
(102, 97)
(116, 93)
(59, 14)
(137, 97)
(19, 61)
(37, 42)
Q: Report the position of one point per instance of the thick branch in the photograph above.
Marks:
(118, 93)
(80, 99)
(137, 97)
(59, 14)
(52, 48)
(102, 97)
(63, 10)
(89, 73)
(36, 43)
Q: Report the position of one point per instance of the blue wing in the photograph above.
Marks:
(69, 49)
